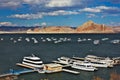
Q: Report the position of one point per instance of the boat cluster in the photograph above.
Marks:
(61, 40)
(89, 63)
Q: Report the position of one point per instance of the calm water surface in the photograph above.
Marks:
(14, 47)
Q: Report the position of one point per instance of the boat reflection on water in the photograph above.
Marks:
(113, 76)
(13, 77)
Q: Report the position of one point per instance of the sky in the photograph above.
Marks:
(59, 12)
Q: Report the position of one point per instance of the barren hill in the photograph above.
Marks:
(116, 29)
(88, 27)
(91, 27)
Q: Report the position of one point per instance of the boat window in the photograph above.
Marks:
(97, 63)
(33, 63)
(80, 65)
(63, 59)
(32, 59)
(89, 66)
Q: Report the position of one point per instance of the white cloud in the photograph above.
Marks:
(103, 7)
(42, 3)
(114, 24)
(91, 15)
(62, 12)
(59, 3)
(17, 3)
(7, 24)
(98, 9)
(33, 2)
(10, 3)
(91, 10)
(40, 24)
(26, 16)
(64, 3)
(43, 24)
(36, 24)
(40, 15)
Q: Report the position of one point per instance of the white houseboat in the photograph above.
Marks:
(86, 66)
(33, 61)
(64, 60)
(100, 61)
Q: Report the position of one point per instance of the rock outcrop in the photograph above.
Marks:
(91, 27)
(116, 29)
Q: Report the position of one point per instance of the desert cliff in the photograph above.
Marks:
(91, 27)
(88, 27)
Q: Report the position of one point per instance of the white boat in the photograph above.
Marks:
(97, 64)
(115, 41)
(86, 66)
(33, 61)
(100, 61)
(96, 42)
(104, 39)
(27, 39)
(64, 60)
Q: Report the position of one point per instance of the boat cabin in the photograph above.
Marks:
(53, 67)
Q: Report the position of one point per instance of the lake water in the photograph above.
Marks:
(13, 47)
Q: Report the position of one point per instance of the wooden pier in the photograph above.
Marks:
(7, 74)
(70, 71)
(23, 65)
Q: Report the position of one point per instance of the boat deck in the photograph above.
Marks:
(23, 65)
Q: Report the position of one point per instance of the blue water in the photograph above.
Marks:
(13, 47)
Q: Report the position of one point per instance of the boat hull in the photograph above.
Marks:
(36, 66)
(84, 68)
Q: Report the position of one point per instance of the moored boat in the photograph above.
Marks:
(64, 60)
(100, 61)
(86, 66)
(33, 61)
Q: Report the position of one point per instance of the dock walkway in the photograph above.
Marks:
(70, 71)
(17, 72)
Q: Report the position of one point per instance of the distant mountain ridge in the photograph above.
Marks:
(116, 29)
(88, 27)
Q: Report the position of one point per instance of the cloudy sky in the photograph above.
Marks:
(59, 12)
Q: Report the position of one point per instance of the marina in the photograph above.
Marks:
(48, 68)
(61, 65)
(49, 52)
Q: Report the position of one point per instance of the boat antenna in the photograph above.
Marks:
(33, 55)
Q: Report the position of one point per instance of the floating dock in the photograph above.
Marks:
(65, 70)
(70, 71)
(7, 74)
(23, 65)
